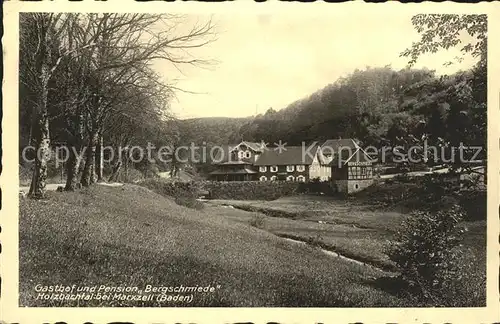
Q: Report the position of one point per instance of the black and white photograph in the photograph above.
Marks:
(177, 160)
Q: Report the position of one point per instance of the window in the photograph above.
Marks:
(290, 178)
(360, 172)
(262, 169)
(244, 154)
(301, 179)
(274, 168)
(353, 172)
(301, 168)
(263, 178)
(290, 168)
(274, 178)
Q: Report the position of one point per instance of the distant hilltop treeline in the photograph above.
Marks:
(376, 106)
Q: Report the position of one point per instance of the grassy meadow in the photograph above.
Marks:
(351, 228)
(131, 236)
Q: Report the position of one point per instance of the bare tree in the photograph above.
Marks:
(44, 40)
(137, 118)
(106, 59)
(126, 45)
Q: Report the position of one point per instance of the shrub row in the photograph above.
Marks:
(257, 190)
(427, 192)
(250, 190)
(176, 189)
(316, 186)
(184, 193)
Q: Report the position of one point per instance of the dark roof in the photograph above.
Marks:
(342, 149)
(334, 145)
(240, 171)
(253, 145)
(348, 156)
(292, 155)
(223, 154)
(237, 162)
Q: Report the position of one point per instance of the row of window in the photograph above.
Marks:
(317, 168)
(360, 172)
(244, 154)
(289, 168)
(288, 178)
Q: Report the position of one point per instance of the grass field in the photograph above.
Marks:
(131, 236)
(351, 228)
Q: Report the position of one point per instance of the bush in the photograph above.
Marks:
(316, 241)
(250, 190)
(25, 174)
(426, 254)
(258, 221)
(316, 186)
(474, 204)
(184, 193)
(176, 189)
(189, 202)
(130, 176)
(149, 170)
(403, 178)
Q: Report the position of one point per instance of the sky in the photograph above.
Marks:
(266, 61)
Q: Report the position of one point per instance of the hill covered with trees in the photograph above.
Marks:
(375, 106)
(211, 130)
(382, 106)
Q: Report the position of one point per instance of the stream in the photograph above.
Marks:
(327, 252)
(336, 255)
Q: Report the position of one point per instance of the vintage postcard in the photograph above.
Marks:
(244, 162)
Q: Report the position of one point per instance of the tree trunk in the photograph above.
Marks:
(116, 170)
(126, 169)
(38, 182)
(88, 175)
(74, 159)
(41, 123)
(72, 167)
(99, 159)
(71, 171)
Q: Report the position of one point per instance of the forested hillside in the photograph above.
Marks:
(375, 106)
(211, 130)
(382, 106)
